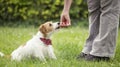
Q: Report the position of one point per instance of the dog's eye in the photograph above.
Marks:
(50, 24)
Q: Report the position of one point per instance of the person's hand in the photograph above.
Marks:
(65, 19)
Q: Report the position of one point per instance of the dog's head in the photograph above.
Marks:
(48, 28)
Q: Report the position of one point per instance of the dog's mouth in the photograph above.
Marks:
(58, 27)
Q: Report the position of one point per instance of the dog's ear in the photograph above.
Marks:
(43, 29)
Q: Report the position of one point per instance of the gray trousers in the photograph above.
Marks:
(103, 27)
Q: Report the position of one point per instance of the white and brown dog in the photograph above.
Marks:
(39, 46)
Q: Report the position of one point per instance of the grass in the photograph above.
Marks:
(67, 44)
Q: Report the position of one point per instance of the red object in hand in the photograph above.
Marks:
(64, 24)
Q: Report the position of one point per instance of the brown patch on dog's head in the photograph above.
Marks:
(46, 28)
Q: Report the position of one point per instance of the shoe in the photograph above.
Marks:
(81, 56)
(96, 58)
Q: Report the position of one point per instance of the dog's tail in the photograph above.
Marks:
(2, 54)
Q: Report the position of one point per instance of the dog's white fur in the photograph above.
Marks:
(35, 47)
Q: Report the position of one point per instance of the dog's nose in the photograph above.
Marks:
(59, 23)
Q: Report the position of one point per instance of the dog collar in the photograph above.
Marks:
(46, 41)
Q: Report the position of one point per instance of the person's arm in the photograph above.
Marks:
(65, 18)
(67, 4)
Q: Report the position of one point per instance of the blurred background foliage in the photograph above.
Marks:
(34, 11)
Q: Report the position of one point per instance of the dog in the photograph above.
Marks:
(39, 46)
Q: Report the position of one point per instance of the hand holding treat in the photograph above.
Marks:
(65, 20)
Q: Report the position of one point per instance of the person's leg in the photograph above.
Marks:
(94, 20)
(105, 43)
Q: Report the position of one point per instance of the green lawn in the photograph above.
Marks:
(67, 44)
